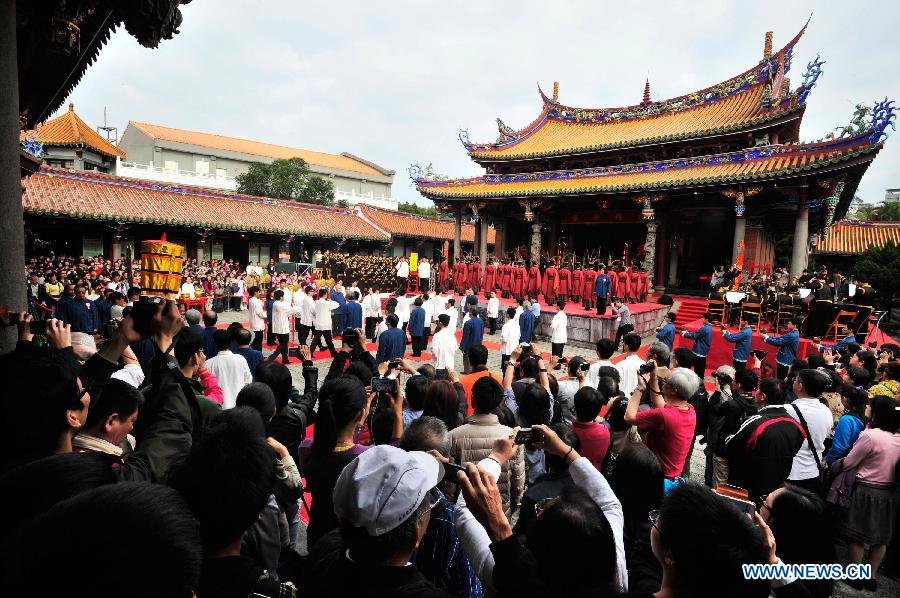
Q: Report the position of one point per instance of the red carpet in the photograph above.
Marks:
(692, 308)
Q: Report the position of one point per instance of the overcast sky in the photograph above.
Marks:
(394, 81)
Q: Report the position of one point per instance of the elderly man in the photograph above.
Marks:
(380, 529)
(668, 426)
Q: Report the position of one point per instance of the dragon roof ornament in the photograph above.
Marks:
(760, 74)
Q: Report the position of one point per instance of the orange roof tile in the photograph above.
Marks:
(749, 165)
(95, 196)
(730, 106)
(258, 148)
(69, 130)
(850, 238)
(413, 225)
(562, 137)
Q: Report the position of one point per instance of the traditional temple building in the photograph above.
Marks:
(681, 185)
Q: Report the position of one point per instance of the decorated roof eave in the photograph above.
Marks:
(551, 104)
(769, 120)
(193, 223)
(841, 162)
(81, 145)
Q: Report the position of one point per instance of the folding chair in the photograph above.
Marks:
(843, 318)
(716, 309)
(785, 314)
(752, 310)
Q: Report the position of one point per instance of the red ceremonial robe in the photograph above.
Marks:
(590, 278)
(506, 278)
(551, 280)
(644, 285)
(490, 278)
(443, 273)
(459, 275)
(633, 284)
(534, 280)
(577, 282)
(518, 281)
(622, 289)
(474, 275)
(565, 282)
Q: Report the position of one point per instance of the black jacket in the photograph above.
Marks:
(289, 425)
(331, 573)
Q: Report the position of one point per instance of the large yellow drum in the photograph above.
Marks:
(161, 266)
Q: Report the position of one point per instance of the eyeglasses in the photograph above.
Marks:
(763, 503)
(653, 516)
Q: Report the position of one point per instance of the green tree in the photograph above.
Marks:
(255, 181)
(878, 212)
(286, 179)
(881, 266)
(317, 190)
(413, 208)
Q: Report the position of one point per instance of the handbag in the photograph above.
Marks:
(843, 482)
(821, 487)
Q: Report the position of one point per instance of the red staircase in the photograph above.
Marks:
(692, 308)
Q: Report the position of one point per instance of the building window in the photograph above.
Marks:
(259, 253)
(170, 165)
(215, 250)
(201, 167)
(60, 163)
(91, 246)
(220, 173)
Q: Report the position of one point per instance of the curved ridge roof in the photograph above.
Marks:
(68, 129)
(754, 164)
(732, 105)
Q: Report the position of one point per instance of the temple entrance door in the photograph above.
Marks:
(707, 235)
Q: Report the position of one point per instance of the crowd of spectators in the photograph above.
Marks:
(177, 450)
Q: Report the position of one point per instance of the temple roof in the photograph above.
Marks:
(734, 105)
(412, 225)
(344, 161)
(850, 237)
(69, 130)
(90, 195)
(754, 164)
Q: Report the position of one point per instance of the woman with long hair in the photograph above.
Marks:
(442, 402)
(343, 406)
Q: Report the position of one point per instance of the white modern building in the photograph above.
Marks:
(179, 156)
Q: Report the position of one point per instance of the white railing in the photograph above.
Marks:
(184, 177)
(379, 201)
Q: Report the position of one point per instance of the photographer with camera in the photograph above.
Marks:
(668, 426)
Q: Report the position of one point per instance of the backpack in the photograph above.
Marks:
(235, 287)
